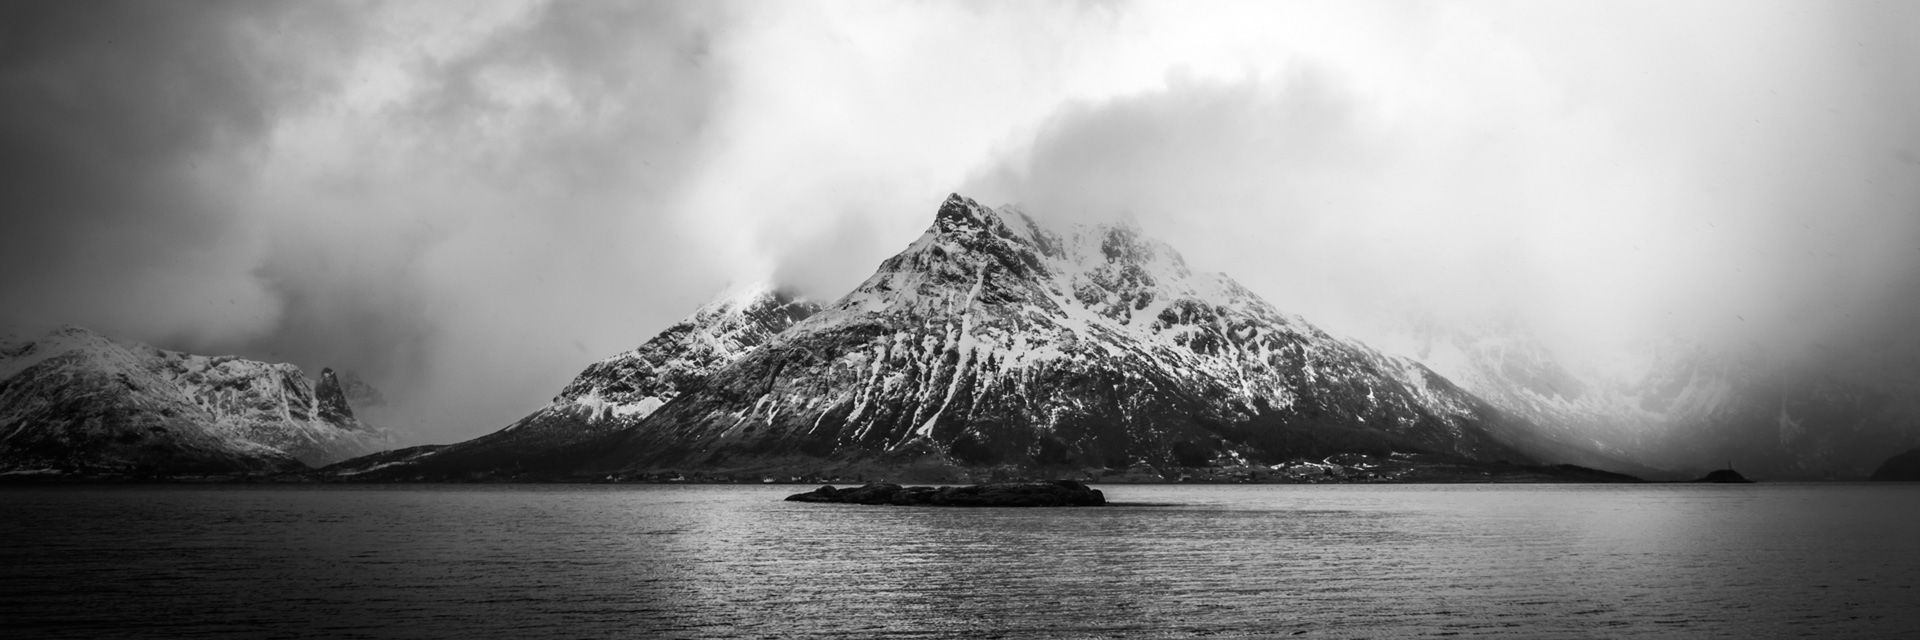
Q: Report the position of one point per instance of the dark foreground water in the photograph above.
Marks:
(1536, 561)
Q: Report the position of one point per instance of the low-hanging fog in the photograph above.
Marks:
(465, 203)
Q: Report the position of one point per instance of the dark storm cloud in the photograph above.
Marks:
(467, 202)
(115, 117)
(507, 218)
(432, 196)
(625, 79)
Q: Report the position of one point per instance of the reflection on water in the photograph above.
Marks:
(723, 561)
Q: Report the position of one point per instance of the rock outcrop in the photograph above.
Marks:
(1061, 493)
(1724, 476)
(331, 400)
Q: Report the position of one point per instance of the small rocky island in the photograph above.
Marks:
(1728, 476)
(1060, 493)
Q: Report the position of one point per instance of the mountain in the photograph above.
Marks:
(359, 393)
(610, 395)
(991, 345)
(1577, 415)
(1682, 408)
(1904, 467)
(1814, 415)
(76, 403)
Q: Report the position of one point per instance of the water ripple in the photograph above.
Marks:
(1171, 562)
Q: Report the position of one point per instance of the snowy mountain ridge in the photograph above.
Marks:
(1094, 292)
(632, 384)
(75, 400)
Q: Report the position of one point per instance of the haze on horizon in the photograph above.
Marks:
(466, 203)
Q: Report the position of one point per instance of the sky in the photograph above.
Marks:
(464, 203)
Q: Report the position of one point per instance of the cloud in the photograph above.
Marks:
(463, 203)
(466, 203)
(1604, 178)
(847, 124)
(120, 124)
(496, 209)
(1291, 183)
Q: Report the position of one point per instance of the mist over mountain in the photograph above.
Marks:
(991, 345)
(1682, 408)
(462, 203)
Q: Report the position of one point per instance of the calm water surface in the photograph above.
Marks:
(1536, 561)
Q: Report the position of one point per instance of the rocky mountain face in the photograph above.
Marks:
(331, 401)
(1683, 408)
(991, 344)
(76, 403)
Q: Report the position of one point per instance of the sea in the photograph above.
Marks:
(1828, 560)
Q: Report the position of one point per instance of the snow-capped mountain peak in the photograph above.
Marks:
(992, 333)
(75, 400)
(634, 383)
(993, 340)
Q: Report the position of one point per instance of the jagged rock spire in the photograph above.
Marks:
(332, 400)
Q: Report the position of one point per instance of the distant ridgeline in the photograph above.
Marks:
(74, 404)
(994, 347)
(1903, 468)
